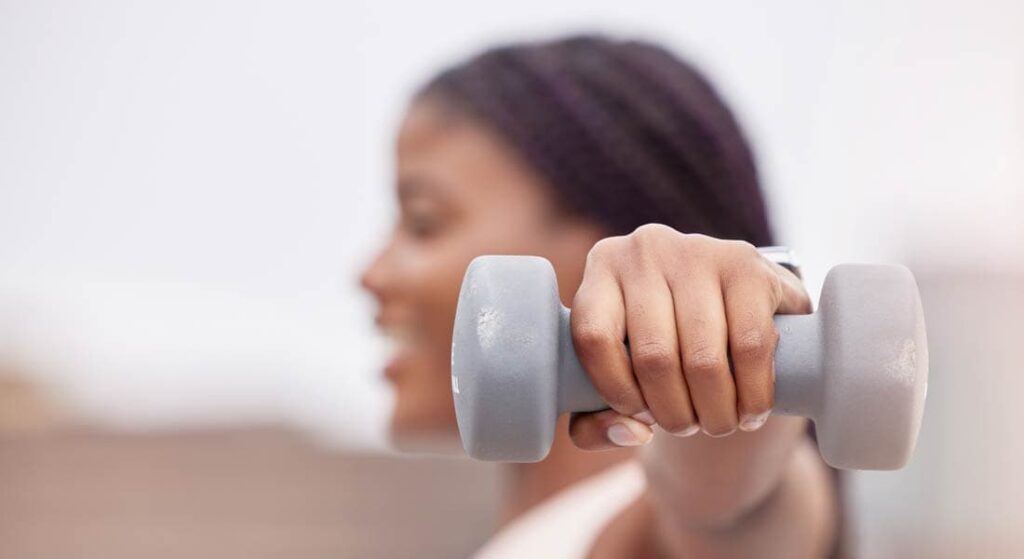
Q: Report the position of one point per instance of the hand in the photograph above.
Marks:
(696, 313)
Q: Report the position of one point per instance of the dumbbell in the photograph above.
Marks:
(858, 367)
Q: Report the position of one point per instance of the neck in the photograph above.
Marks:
(527, 485)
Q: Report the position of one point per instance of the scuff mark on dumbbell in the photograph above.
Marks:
(904, 366)
(488, 323)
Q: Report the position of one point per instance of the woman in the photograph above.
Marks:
(621, 165)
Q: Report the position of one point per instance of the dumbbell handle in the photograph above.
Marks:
(798, 369)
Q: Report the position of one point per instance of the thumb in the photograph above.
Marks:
(607, 429)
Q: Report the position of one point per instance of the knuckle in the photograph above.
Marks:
(754, 342)
(742, 259)
(604, 249)
(704, 362)
(691, 252)
(651, 238)
(695, 244)
(650, 230)
(699, 239)
(654, 359)
(745, 250)
(590, 339)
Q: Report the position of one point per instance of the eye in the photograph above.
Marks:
(422, 224)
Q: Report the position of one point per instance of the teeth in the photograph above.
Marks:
(397, 334)
(396, 338)
(389, 345)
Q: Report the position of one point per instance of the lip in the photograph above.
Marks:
(395, 367)
(391, 370)
(391, 325)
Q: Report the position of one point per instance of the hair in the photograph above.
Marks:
(624, 132)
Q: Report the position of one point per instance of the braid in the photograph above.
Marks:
(624, 132)
(719, 131)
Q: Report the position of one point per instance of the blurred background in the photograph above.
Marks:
(189, 189)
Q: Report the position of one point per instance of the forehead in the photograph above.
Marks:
(431, 129)
(439, 145)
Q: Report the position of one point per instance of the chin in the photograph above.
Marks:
(422, 430)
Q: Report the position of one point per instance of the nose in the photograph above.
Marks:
(374, 276)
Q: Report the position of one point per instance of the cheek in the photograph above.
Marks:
(424, 413)
(432, 274)
(439, 281)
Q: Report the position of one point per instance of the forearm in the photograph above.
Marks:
(711, 482)
(796, 519)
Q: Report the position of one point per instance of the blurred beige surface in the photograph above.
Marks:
(962, 494)
(250, 493)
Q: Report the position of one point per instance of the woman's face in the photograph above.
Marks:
(462, 193)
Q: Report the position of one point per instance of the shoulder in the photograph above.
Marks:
(567, 525)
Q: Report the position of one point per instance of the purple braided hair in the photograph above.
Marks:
(625, 132)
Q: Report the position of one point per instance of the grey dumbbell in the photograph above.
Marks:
(858, 367)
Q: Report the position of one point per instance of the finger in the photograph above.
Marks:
(750, 303)
(793, 297)
(598, 328)
(607, 429)
(703, 339)
(654, 351)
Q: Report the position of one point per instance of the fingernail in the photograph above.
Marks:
(645, 417)
(621, 434)
(754, 422)
(688, 432)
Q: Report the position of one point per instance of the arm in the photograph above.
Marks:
(697, 314)
(764, 494)
(795, 520)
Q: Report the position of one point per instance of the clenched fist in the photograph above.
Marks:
(696, 315)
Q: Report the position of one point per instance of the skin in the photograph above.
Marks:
(693, 390)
